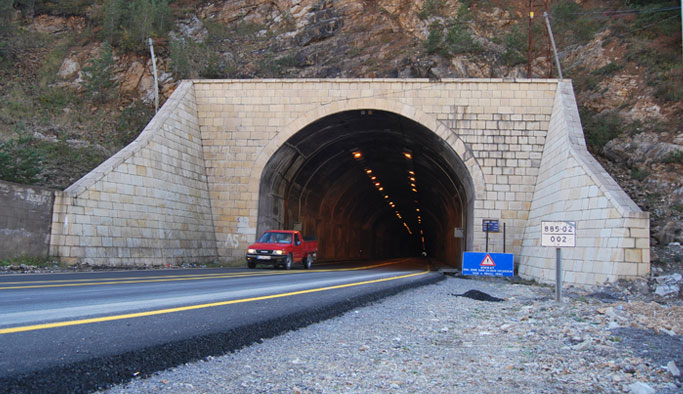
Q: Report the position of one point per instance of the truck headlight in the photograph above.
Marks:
(278, 252)
(251, 251)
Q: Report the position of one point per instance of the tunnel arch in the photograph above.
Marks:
(309, 180)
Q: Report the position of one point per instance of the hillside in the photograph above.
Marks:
(76, 75)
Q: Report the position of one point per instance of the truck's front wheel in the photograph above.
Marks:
(251, 264)
(288, 262)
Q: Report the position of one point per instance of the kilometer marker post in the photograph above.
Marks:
(558, 274)
(560, 235)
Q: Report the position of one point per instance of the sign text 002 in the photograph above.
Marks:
(558, 234)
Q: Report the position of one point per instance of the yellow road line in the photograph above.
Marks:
(194, 307)
(124, 278)
(170, 278)
(115, 281)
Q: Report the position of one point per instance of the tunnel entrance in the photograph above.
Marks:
(370, 184)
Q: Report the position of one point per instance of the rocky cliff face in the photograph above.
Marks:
(632, 104)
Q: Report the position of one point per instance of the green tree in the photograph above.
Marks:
(129, 23)
(180, 58)
(112, 14)
(6, 9)
(139, 24)
(434, 43)
(97, 75)
(162, 17)
(515, 42)
(19, 160)
(460, 40)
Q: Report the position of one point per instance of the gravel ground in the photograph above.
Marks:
(427, 340)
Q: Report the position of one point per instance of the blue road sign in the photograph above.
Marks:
(490, 226)
(488, 264)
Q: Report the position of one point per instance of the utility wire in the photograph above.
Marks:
(626, 12)
(653, 24)
(564, 22)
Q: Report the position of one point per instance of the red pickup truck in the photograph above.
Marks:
(282, 248)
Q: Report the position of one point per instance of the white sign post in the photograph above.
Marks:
(560, 235)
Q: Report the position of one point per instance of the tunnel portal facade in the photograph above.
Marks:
(373, 168)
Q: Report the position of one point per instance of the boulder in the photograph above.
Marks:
(69, 68)
(131, 78)
(146, 88)
(669, 233)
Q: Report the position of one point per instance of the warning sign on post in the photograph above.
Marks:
(488, 264)
(558, 234)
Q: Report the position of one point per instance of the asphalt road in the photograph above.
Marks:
(79, 332)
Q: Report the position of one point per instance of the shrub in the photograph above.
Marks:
(54, 99)
(600, 128)
(669, 87)
(97, 75)
(130, 23)
(434, 43)
(675, 157)
(180, 58)
(571, 25)
(112, 14)
(132, 120)
(638, 174)
(515, 43)
(431, 8)
(5, 10)
(272, 67)
(19, 160)
(40, 261)
(16, 103)
(61, 7)
(79, 160)
(460, 40)
(607, 69)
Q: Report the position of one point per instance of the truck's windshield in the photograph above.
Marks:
(276, 238)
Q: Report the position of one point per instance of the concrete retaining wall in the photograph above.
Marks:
(25, 220)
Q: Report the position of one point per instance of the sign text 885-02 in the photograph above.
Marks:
(558, 234)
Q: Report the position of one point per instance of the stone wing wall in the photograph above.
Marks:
(613, 238)
(148, 204)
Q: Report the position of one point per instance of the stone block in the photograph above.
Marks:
(633, 255)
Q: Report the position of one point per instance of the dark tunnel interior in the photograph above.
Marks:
(369, 184)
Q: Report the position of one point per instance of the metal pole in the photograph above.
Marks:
(558, 275)
(504, 238)
(528, 54)
(552, 41)
(548, 47)
(487, 238)
(156, 81)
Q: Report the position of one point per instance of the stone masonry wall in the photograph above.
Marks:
(146, 205)
(187, 189)
(612, 240)
(497, 127)
(25, 219)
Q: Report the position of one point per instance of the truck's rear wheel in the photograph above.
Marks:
(308, 261)
(288, 262)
